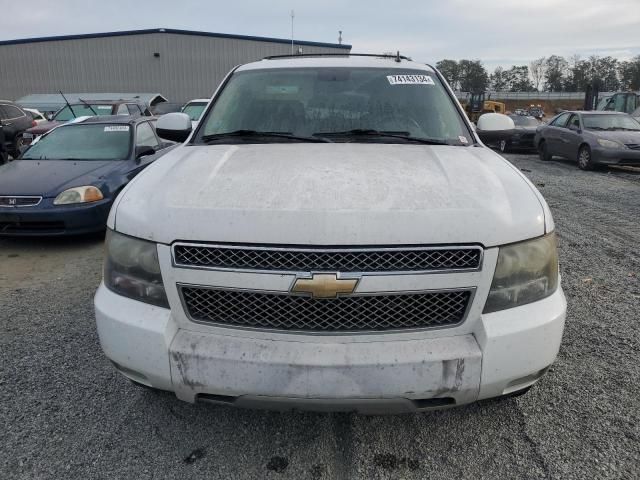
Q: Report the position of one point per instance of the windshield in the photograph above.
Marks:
(83, 142)
(194, 110)
(82, 110)
(610, 122)
(523, 121)
(314, 101)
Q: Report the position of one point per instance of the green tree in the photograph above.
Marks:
(498, 80)
(555, 73)
(473, 76)
(629, 74)
(450, 71)
(517, 79)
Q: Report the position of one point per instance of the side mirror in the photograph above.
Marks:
(144, 151)
(491, 122)
(174, 126)
(49, 117)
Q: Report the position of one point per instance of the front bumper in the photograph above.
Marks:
(616, 156)
(507, 351)
(47, 219)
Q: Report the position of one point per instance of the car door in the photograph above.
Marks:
(552, 133)
(570, 137)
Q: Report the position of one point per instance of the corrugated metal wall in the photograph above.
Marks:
(188, 67)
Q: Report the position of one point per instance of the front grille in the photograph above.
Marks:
(633, 146)
(31, 227)
(528, 136)
(334, 260)
(353, 313)
(7, 201)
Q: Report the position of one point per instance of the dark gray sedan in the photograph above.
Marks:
(593, 139)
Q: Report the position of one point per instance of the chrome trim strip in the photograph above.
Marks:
(21, 196)
(185, 309)
(306, 274)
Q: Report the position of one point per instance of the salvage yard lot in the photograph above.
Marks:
(67, 414)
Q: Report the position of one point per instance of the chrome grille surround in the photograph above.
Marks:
(411, 259)
(379, 312)
(13, 201)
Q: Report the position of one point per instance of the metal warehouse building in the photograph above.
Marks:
(179, 64)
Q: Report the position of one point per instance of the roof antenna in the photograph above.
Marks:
(398, 59)
(339, 37)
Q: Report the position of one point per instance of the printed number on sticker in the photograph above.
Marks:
(116, 128)
(410, 80)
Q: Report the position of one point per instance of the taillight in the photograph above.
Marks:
(34, 123)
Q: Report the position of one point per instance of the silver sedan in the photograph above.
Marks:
(593, 139)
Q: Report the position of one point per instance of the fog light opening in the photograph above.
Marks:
(524, 382)
(132, 375)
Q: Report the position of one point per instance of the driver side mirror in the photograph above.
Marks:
(174, 126)
(143, 151)
(575, 128)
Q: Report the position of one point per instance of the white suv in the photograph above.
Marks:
(332, 236)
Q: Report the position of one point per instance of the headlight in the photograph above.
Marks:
(132, 269)
(603, 142)
(79, 195)
(525, 272)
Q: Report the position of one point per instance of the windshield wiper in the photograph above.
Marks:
(257, 134)
(94, 112)
(360, 132)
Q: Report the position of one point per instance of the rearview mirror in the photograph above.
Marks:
(491, 122)
(174, 126)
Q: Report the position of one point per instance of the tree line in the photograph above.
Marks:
(548, 74)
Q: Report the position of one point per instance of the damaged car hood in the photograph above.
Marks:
(331, 194)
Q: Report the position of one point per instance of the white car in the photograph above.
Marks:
(195, 109)
(37, 115)
(332, 236)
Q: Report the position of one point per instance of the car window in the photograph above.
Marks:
(122, 110)
(145, 136)
(83, 142)
(321, 100)
(35, 116)
(574, 122)
(3, 114)
(65, 114)
(133, 109)
(12, 112)
(194, 110)
(610, 122)
(524, 121)
(560, 120)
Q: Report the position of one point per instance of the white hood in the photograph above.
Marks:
(331, 194)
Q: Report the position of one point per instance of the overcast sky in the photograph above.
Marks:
(498, 32)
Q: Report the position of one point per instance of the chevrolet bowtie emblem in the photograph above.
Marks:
(322, 285)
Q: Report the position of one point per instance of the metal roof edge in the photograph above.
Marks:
(126, 33)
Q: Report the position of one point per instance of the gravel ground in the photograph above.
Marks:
(66, 414)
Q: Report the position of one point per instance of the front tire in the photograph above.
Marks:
(585, 160)
(543, 151)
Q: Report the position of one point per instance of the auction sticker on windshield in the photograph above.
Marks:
(116, 128)
(410, 80)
